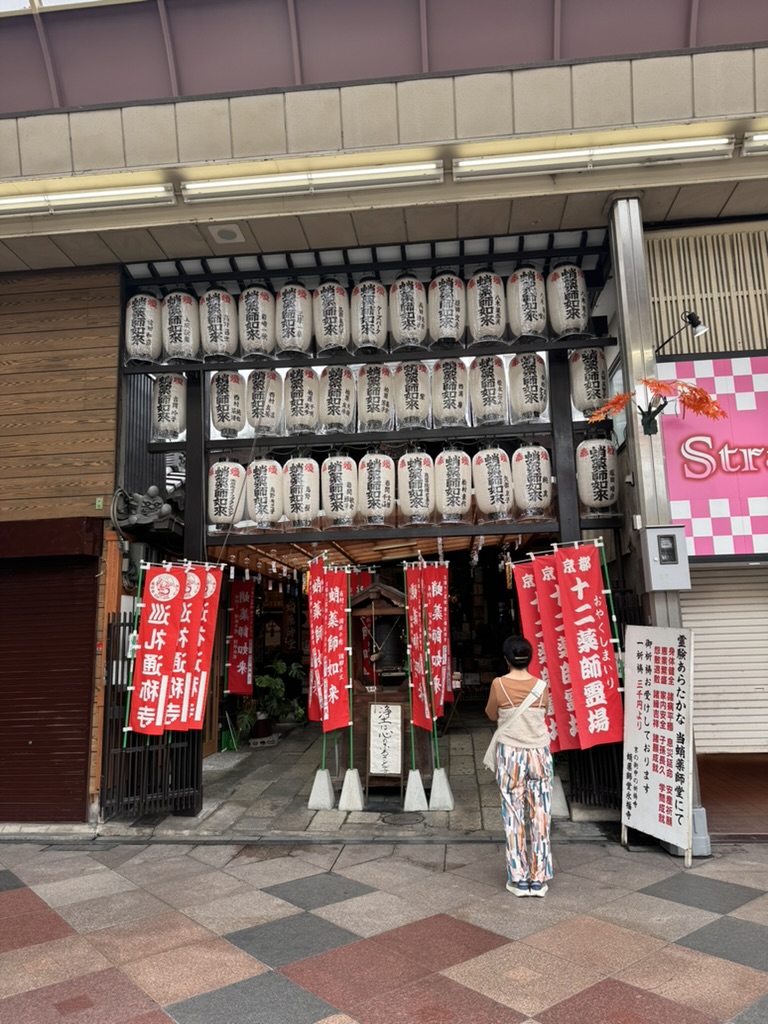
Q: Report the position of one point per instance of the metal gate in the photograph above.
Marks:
(143, 776)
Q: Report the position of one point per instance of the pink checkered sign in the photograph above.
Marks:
(717, 470)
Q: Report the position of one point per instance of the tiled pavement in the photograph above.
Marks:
(101, 932)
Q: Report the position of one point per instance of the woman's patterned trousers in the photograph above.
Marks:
(524, 776)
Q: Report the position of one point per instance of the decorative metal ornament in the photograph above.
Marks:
(293, 318)
(330, 314)
(369, 315)
(264, 401)
(169, 407)
(226, 494)
(527, 386)
(567, 300)
(450, 393)
(453, 485)
(416, 487)
(597, 475)
(376, 488)
(447, 308)
(527, 303)
(218, 323)
(589, 379)
(532, 481)
(486, 306)
(143, 328)
(487, 390)
(375, 398)
(337, 399)
(228, 403)
(412, 394)
(264, 493)
(339, 489)
(492, 480)
(301, 492)
(408, 312)
(256, 319)
(301, 400)
(181, 326)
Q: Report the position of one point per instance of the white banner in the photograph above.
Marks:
(657, 790)
(385, 739)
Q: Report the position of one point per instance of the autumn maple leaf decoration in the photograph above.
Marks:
(692, 399)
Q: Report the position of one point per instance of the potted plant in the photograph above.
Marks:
(269, 703)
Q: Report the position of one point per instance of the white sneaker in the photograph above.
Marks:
(518, 888)
(539, 889)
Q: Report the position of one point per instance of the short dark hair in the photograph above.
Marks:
(517, 651)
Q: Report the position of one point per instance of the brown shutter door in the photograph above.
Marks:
(47, 635)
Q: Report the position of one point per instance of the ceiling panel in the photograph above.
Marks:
(701, 201)
(329, 231)
(484, 218)
(39, 252)
(217, 238)
(536, 213)
(181, 241)
(425, 223)
(657, 202)
(585, 210)
(747, 199)
(86, 249)
(133, 245)
(9, 260)
(279, 234)
(380, 227)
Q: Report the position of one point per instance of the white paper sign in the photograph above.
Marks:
(385, 739)
(657, 790)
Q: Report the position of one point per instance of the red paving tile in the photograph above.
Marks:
(15, 902)
(104, 997)
(30, 929)
(439, 942)
(612, 1002)
(435, 1000)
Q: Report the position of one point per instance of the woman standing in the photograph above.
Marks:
(519, 754)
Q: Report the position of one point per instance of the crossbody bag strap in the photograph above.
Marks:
(535, 692)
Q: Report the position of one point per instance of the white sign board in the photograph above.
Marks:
(385, 739)
(657, 790)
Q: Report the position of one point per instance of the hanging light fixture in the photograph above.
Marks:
(689, 320)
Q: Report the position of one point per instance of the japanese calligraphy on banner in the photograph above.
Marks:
(530, 622)
(359, 580)
(591, 658)
(329, 682)
(563, 718)
(316, 612)
(186, 648)
(435, 584)
(657, 796)
(421, 705)
(242, 597)
(196, 690)
(385, 739)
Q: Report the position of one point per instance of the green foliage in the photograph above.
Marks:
(269, 696)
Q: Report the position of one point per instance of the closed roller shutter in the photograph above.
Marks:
(727, 609)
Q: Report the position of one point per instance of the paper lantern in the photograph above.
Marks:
(412, 394)
(527, 386)
(339, 489)
(408, 312)
(301, 400)
(416, 487)
(376, 488)
(226, 494)
(169, 406)
(337, 398)
(264, 493)
(374, 398)
(447, 309)
(527, 303)
(450, 393)
(486, 306)
(228, 403)
(293, 318)
(218, 323)
(596, 475)
(453, 485)
(181, 326)
(567, 300)
(532, 481)
(369, 315)
(143, 328)
(301, 491)
(264, 401)
(256, 319)
(492, 480)
(589, 379)
(487, 390)
(330, 315)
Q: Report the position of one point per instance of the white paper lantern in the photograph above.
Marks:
(567, 300)
(301, 491)
(408, 312)
(532, 481)
(596, 475)
(369, 314)
(330, 315)
(143, 328)
(337, 398)
(228, 403)
(374, 398)
(416, 487)
(264, 493)
(376, 488)
(264, 401)
(256, 319)
(487, 390)
(450, 393)
(293, 318)
(181, 326)
(226, 494)
(169, 406)
(218, 323)
(453, 485)
(301, 400)
(589, 379)
(492, 480)
(412, 394)
(447, 309)
(339, 489)
(527, 386)
(486, 306)
(527, 303)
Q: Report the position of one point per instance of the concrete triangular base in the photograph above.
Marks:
(440, 796)
(351, 798)
(559, 803)
(322, 797)
(415, 797)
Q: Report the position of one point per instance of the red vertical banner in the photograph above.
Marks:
(359, 580)
(438, 632)
(242, 597)
(161, 605)
(316, 612)
(335, 662)
(530, 623)
(597, 701)
(186, 647)
(414, 606)
(553, 638)
(193, 709)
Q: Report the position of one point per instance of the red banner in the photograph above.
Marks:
(336, 684)
(597, 701)
(316, 612)
(359, 580)
(242, 597)
(556, 652)
(186, 647)
(193, 709)
(414, 605)
(435, 580)
(530, 623)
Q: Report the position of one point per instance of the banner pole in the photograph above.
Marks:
(348, 606)
(134, 636)
(408, 668)
(428, 671)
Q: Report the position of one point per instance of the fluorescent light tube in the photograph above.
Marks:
(755, 143)
(313, 181)
(587, 158)
(88, 199)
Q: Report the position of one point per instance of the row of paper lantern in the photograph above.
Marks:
(409, 394)
(417, 316)
(421, 489)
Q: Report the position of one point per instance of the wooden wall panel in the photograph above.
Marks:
(59, 344)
